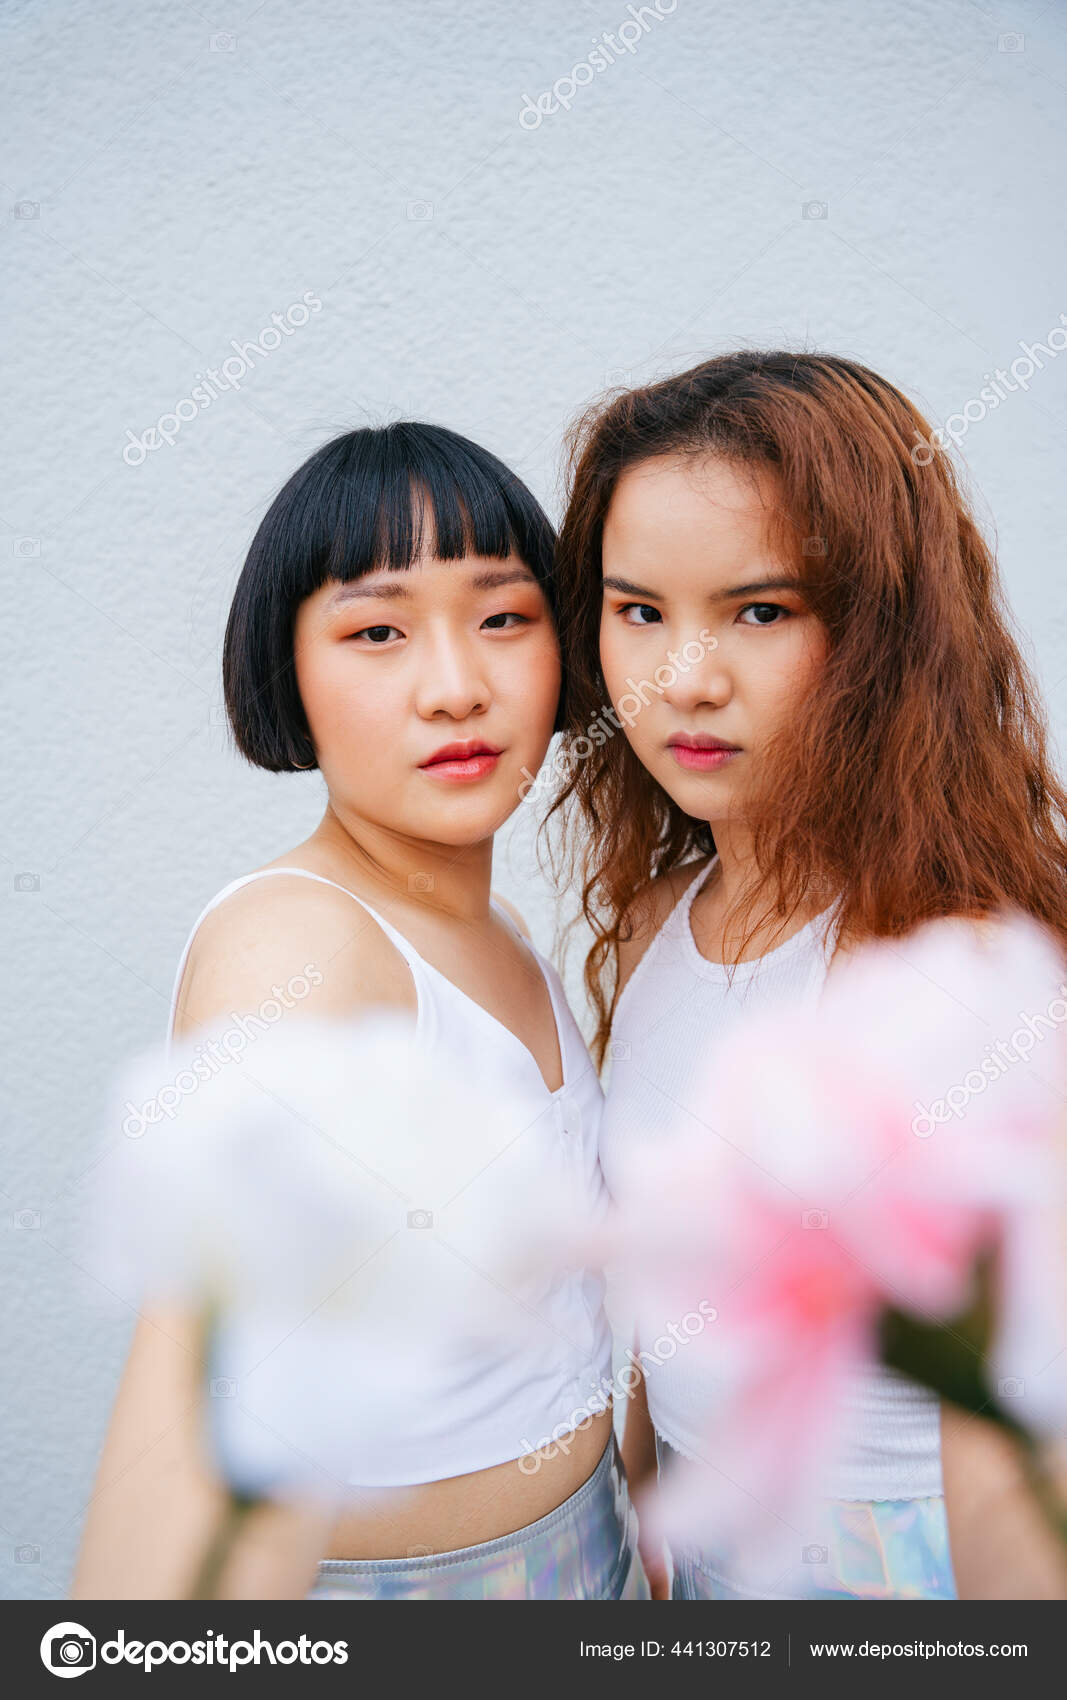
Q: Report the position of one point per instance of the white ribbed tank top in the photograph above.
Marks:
(487, 1410)
(674, 1004)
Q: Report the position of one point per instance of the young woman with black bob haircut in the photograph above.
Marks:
(394, 626)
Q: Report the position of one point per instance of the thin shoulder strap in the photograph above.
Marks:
(673, 925)
(510, 922)
(403, 945)
(524, 939)
(678, 914)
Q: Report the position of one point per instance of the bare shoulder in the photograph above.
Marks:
(513, 912)
(274, 931)
(648, 910)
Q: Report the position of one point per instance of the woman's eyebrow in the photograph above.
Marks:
(628, 588)
(492, 578)
(487, 579)
(755, 587)
(357, 591)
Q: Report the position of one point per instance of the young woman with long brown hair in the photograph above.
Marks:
(822, 733)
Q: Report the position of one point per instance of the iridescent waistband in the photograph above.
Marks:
(586, 1549)
(867, 1549)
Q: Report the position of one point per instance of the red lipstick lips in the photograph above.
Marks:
(701, 753)
(471, 759)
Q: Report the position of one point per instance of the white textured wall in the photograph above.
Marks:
(181, 188)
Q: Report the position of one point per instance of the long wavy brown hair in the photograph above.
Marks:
(915, 782)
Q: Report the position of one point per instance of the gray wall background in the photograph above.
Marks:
(171, 177)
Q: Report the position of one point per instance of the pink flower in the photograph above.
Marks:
(819, 1192)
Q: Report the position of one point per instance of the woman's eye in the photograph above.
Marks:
(640, 608)
(376, 634)
(494, 618)
(762, 610)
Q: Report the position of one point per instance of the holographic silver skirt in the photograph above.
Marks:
(868, 1549)
(584, 1550)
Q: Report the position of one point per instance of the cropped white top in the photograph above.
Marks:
(672, 1007)
(485, 1410)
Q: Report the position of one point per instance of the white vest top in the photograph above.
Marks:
(673, 1005)
(493, 1409)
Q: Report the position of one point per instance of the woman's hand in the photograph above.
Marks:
(653, 1555)
(1002, 1547)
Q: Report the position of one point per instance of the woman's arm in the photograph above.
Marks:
(1001, 1546)
(647, 912)
(639, 1461)
(156, 1499)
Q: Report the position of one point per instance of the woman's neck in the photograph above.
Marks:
(721, 913)
(736, 871)
(454, 880)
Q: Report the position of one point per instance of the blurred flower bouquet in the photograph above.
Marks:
(881, 1177)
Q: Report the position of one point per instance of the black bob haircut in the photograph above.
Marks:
(359, 504)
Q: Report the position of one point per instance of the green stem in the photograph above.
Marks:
(238, 1506)
(227, 1531)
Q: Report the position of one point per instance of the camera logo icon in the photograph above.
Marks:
(815, 209)
(68, 1649)
(420, 1218)
(816, 1555)
(815, 1219)
(27, 882)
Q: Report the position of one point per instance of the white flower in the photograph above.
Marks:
(360, 1225)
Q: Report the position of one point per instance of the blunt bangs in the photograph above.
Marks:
(375, 499)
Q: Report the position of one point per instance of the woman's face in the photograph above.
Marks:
(693, 589)
(395, 667)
